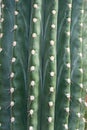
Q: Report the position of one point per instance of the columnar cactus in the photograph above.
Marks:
(43, 82)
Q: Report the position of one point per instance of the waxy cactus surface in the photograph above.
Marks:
(43, 65)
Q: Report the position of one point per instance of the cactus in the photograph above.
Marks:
(43, 65)
(4, 65)
(77, 67)
(49, 65)
(64, 66)
(84, 61)
(34, 66)
(13, 69)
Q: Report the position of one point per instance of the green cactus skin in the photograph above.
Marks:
(85, 61)
(64, 66)
(5, 27)
(49, 65)
(13, 69)
(83, 93)
(43, 67)
(34, 66)
(18, 68)
(77, 67)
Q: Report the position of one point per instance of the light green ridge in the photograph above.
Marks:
(34, 66)
(49, 64)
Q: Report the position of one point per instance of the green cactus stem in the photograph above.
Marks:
(85, 63)
(13, 64)
(49, 65)
(43, 64)
(64, 66)
(77, 66)
(34, 66)
(18, 70)
(83, 93)
(5, 27)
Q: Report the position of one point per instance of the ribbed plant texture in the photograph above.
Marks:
(43, 64)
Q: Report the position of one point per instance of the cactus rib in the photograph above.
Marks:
(49, 66)
(12, 74)
(77, 68)
(34, 66)
(83, 91)
(4, 61)
(64, 85)
(18, 103)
